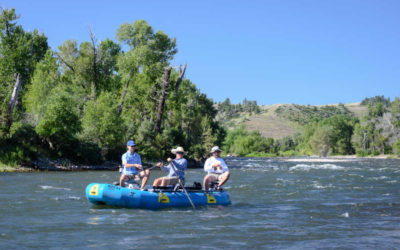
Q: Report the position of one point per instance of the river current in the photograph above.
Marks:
(278, 204)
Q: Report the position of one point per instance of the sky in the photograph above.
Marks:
(273, 51)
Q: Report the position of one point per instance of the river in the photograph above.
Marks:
(275, 204)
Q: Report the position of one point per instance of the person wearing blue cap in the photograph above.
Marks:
(132, 164)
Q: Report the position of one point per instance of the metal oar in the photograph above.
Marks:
(150, 168)
(181, 183)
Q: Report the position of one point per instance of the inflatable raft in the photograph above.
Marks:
(112, 195)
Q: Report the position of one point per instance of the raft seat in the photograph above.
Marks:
(195, 187)
(214, 184)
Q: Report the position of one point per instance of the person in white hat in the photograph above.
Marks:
(216, 169)
(180, 166)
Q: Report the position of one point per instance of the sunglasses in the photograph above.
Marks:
(181, 153)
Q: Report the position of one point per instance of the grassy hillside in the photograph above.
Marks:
(270, 124)
(281, 120)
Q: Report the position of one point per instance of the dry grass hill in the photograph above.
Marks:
(271, 123)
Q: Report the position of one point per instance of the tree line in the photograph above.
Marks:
(227, 110)
(327, 130)
(84, 101)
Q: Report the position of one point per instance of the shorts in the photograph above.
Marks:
(171, 180)
(135, 177)
(215, 176)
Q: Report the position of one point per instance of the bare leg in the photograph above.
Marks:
(121, 180)
(164, 182)
(145, 175)
(157, 182)
(207, 181)
(224, 178)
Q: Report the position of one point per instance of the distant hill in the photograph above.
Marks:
(281, 120)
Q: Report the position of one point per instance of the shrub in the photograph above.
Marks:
(21, 147)
(396, 147)
(60, 123)
(103, 126)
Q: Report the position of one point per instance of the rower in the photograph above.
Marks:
(216, 169)
(173, 176)
(133, 169)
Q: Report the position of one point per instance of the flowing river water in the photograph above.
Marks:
(279, 204)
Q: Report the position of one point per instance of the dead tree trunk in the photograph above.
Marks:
(161, 102)
(14, 99)
(179, 81)
(6, 20)
(95, 83)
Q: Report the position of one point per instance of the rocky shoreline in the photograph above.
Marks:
(46, 164)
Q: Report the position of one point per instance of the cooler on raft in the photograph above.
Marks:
(112, 195)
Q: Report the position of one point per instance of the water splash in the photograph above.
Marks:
(345, 215)
(57, 188)
(318, 185)
(308, 167)
(67, 198)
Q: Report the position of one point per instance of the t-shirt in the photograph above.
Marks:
(211, 161)
(180, 167)
(131, 159)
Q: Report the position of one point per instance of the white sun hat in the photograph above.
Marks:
(178, 149)
(215, 149)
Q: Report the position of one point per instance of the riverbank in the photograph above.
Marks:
(45, 164)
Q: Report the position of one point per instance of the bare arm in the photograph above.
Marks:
(217, 165)
(138, 166)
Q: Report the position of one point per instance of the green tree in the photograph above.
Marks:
(321, 141)
(379, 129)
(242, 143)
(60, 122)
(395, 110)
(231, 137)
(253, 143)
(102, 125)
(372, 101)
(142, 67)
(96, 64)
(342, 131)
(376, 110)
(45, 79)
(396, 147)
(286, 144)
(19, 53)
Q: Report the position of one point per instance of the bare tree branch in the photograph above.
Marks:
(181, 75)
(94, 62)
(161, 103)
(64, 61)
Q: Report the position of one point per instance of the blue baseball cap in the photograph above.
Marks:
(130, 143)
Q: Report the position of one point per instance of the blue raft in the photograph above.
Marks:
(111, 195)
